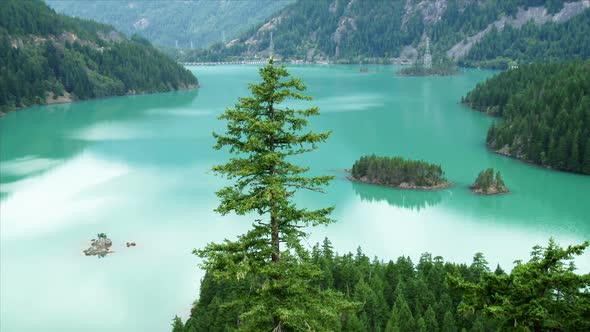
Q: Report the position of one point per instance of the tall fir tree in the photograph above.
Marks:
(262, 135)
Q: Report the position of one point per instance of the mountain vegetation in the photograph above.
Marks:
(546, 114)
(166, 23)
(487, 183)
(532, 43)
(398, 172)
(429, 295)
(380, 30)
(46, 57)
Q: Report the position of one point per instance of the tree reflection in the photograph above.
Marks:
(409, 199)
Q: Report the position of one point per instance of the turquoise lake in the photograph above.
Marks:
(138, 169)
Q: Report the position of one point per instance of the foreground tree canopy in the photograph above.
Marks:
(430, 295)
(543, 294)
(546, 110)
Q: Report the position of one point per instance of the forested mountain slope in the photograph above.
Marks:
(353, 30)
(546, 110)
(46, 57)
(164, 23)
(552, 41)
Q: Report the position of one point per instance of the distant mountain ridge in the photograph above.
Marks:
(357, 30)
(47, 58)
(167, 23)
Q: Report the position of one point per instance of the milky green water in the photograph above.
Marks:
(137, 169)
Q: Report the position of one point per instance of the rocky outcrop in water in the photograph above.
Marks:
(99, 247)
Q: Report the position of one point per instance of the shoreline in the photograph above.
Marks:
(441, 186)
(491, 193)
(531, 163)
(506, 154)
(69, 100)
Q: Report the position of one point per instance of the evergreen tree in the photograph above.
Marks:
(177, 325)
(500, 182)
(449, 324)
(401, 317)
(421, 325)
(498, 271)
(478, 325)
(262, 135)
(430, 319)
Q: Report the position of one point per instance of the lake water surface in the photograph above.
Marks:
(137, 169)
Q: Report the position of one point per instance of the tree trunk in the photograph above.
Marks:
(274, 235)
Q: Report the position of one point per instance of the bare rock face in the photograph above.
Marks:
(99, 247)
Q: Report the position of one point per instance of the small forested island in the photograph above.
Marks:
(50, 58)
(399, 173)
(546, 114)
(487, 184)
(441, 66)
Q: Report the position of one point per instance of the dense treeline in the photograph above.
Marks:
(532, 43)
(44, 56)
(390, 296)
(393, 171)
(546, 110)
(432, 295)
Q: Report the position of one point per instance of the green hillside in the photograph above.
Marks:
(164, 23)
(46, 57)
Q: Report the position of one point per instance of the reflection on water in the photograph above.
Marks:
(138, 168)
(59, 132)
(409, 199)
